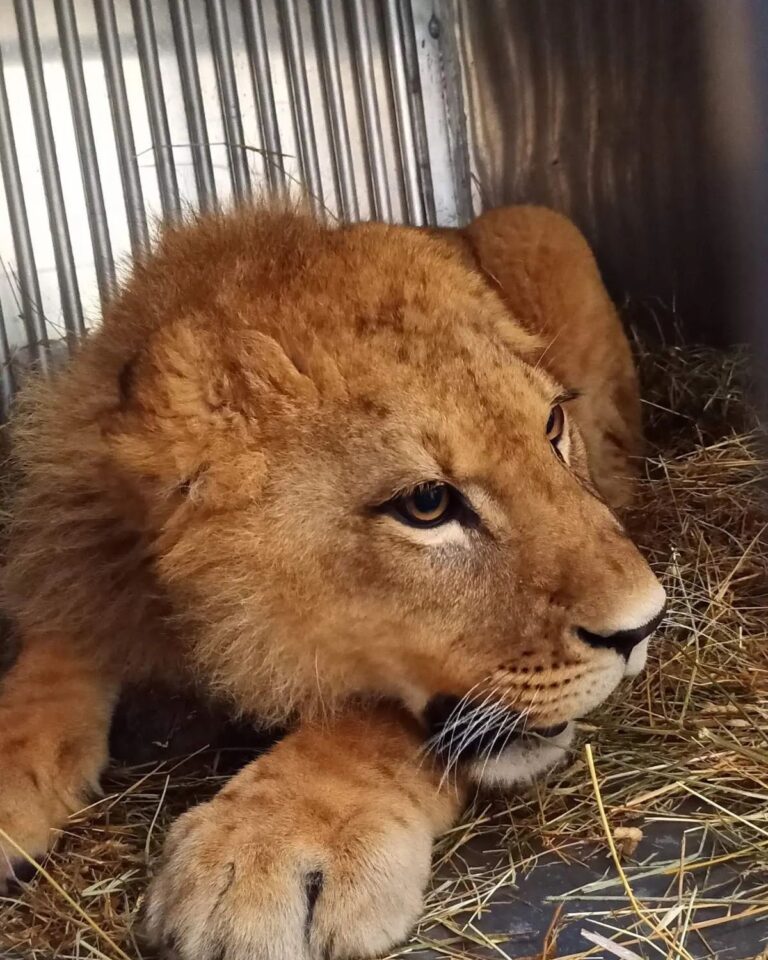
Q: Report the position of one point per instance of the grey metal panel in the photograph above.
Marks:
(230, 105)
(146, 43)
(109, 40)
(302, 113)
(436, 34)
(183, 32)
(371, 110)
(154, 106)
(7, 380)
(86, 147)
(442, 30)
(599, 109)
(737, 87)
(258, 55)
(57, 217)
(25, 270)
(405, 127)
(337, 111)
(414, 90)
(403, 109)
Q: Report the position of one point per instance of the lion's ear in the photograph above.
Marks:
(191, 371)
(540, 263)
(175, 374)
(544, 270)
(170, 396)
(195, 398)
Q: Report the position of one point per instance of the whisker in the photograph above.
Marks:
(454, 719)
(457, 715)
(474, 721)
(479, 713)
(484, 720)
(522, 715)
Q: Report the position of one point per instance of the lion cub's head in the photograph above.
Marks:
(354, 478)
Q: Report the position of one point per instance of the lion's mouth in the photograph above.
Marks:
(465, 729)
(549, 732)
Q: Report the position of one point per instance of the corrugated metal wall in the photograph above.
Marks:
(737, 80)
(115, 112)
(601, 108)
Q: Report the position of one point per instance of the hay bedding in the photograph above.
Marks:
(683, 753)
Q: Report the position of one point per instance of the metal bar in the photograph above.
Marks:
(29, 41)
(181, 21)
(418, 117)
(377, 169)
(325, 33)
(146, 44)
(443, 23)
(32, 314)
(228, 97)
(109, 41)
(7, 378)
(256, 40)
(290, 29)
(409, 166)
(86, 147)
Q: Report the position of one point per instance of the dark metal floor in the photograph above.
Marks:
(587, 893)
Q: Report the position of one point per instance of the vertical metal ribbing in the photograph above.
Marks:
(290, 29)
(86, 147)
(337, 114)
(29, 287)
(399, 81)
(109, 41)
(418, 118)
(181, 21)
(370, 106)
(146, 44)
(443, 18)
(7, 379)
(256, 39)
(228, 96)
(29, 41)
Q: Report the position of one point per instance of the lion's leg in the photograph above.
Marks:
(55, 709)
(545, 271)
(320, 849)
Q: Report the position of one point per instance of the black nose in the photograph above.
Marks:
(623, 641)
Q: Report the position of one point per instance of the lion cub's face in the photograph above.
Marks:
(360, 484)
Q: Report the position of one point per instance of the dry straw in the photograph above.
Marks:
(686, 744)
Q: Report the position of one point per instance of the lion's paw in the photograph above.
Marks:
(294, 882)
(40, 787)
(26, 825)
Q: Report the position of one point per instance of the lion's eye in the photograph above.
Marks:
(555, 424)
(427, 506)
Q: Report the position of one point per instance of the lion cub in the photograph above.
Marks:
(360, 480)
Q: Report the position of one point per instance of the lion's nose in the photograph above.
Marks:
(622, 641)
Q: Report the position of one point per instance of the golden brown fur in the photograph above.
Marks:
(200, 498)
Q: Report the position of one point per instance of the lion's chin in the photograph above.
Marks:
(523, 760)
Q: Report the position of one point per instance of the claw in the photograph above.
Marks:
(21, 872)
(313, 885)
(24, 870)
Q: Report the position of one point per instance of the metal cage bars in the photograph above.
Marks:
(361, 147)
